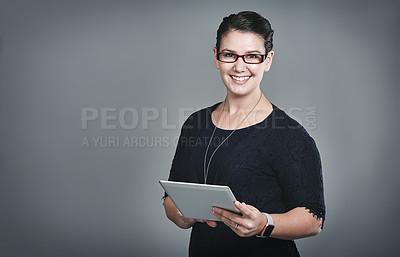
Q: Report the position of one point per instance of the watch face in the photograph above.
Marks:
(268, 230)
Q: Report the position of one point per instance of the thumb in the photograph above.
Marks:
(211, 223)
(252, 208)
(243, 208)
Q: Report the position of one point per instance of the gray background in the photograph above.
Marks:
(59, 198)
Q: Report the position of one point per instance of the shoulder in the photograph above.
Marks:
(198, 118)
(288, 131)
(281, 120)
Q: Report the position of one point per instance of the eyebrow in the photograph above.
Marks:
(247, 52)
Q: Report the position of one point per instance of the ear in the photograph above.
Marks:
(268, 60)
(215, 58)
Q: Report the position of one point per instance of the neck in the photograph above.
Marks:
(235, 104)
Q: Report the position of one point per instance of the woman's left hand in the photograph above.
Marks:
(249, 224)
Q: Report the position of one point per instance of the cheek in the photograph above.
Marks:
(217, 65)
(224, 68)
(257, 71)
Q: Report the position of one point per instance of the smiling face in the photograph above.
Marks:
(241, 78)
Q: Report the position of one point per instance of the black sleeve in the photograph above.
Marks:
(174, 172)
(299, 171)
(177, 171)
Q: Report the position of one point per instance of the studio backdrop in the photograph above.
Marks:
(93, 95)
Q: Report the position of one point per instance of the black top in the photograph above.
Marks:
(273, 165)
(224, 139)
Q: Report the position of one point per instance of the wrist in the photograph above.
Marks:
(187, 223)
(184, 224)
(267, 229)
(263, 224)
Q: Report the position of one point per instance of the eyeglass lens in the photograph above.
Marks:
(248, 58)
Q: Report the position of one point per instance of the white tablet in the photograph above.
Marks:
(196, 200)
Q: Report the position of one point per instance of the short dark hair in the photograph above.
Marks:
(246, 21)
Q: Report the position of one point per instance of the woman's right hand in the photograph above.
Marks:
(188, 221)
(176, 216)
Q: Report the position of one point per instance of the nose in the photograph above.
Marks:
(240, 65)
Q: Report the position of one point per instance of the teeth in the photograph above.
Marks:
(240, 78)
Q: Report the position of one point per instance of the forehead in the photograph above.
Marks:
(242, 41)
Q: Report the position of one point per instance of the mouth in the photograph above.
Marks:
(240, 79)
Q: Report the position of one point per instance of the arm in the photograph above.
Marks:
(176, 216)
(294, 224)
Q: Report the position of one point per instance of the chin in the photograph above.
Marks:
(240, 90)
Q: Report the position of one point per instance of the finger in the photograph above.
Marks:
(225, 220)
(211, 223)
(251, 207)
(224, 212)
(235, 227)
(226, 217)
(243, 208)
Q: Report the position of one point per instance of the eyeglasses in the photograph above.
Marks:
(247, 58)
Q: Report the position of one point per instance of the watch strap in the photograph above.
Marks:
(269, 226)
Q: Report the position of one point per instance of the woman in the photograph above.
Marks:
(268, 160)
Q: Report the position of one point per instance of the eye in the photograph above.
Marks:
(252, 56)
(226, 54)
